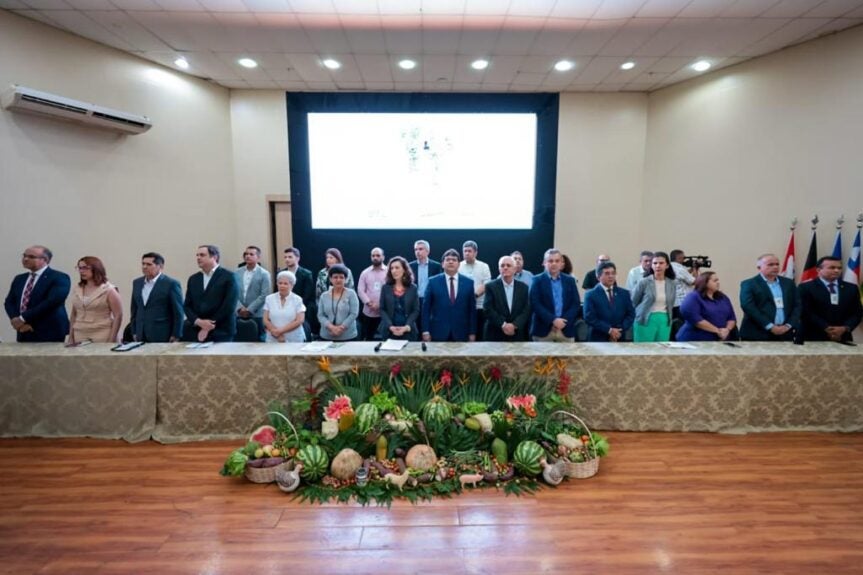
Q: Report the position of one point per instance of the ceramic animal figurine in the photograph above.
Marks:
(288, 479)
(399, 480)
(553, 473)
(471, 478)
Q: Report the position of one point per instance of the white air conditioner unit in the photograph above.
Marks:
(22, 99)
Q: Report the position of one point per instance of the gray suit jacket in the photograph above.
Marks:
(162, 316)
(644, 295)
(258, 291)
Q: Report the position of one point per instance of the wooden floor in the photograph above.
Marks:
(662, 503)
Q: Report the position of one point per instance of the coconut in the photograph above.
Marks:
(421, 457)
(346, 463)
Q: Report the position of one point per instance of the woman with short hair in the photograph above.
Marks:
(284, 312)
(339, 307)
(708, 312)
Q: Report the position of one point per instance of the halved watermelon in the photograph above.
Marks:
(265, 435)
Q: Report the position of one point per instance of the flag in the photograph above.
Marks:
(788, 264)
(852, 270)
(837, 245)
(809, 270)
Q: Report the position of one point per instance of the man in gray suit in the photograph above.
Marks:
(254, 285)
(157, 303)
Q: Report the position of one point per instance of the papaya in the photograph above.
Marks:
(381, 448)
(472, 423)
(499, 450)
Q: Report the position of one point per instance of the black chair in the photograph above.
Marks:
(127, 334)
(247, 330)
(582, 330)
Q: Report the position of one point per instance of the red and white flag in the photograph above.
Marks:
(788, 263)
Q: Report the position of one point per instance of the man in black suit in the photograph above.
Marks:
(36, 302)
(211, 300)
(423, 268)
(305, 288)
(506, 305)
(771, 304)
(831, 307)
(157, 303)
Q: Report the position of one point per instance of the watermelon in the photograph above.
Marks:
(526, 458)
(437, 412)
(367, 415)
(265, 435)
(315, 462)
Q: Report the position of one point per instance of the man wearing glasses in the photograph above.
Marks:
(36, 302)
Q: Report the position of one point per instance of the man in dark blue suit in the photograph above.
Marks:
(36, 302)
(771, 304)
(157, 303)
(608, 309)
(554, 301)
(831, 307)
(423, 268)
(211, 300)
(449, 305)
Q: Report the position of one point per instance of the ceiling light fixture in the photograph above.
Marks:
(564, 66)
(479, 64)
(627, 66)
(247, 63)
(332, 64)
(181, 63)
(407, 64)
(701, 66)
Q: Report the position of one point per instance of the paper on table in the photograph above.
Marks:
(677, 345)
(394, 344)
(317, 346)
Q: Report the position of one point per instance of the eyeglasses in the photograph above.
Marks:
(32, 257)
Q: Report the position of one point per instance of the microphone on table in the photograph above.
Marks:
(425, 347)
(378, 346)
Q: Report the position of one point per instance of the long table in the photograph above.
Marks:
(172, 393)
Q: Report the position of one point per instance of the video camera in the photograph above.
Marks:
(697, 262)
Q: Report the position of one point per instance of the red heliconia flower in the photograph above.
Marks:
(395, 370)
(446, 378)
(563, 385)
(495, 373)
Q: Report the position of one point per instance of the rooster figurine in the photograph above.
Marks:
(288, 479)
(553, 473)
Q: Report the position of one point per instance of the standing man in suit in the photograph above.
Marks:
(211, 300)
(771, 304)
(554, 301)
(157, 303)
(608, 309)
(831, 307)
(36, 302)
(506, 305)
(253, 285)
(305, 288)
(480, 273)
(423, 268)
(449, 306)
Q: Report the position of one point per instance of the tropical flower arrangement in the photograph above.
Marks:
(418, 434)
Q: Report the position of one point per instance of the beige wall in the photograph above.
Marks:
(733, 156)
(89, 192)
(259, 129)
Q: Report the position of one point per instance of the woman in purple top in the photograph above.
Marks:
(707, 311)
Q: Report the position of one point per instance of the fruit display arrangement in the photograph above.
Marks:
(371, 436)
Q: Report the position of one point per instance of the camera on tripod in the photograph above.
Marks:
(697, 262)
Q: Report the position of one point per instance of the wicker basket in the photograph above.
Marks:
(587, 468)
(265, 474)
(268, 474)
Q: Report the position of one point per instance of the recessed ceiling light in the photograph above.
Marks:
(564, 65)
(181, 63)
(332, 64)
(701, 66)
(247, 63)
(407, 64)
(479, 64)
(627, 66)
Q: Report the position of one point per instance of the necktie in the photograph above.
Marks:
(28, 289)
(832, 287)
(611, 297)
(451, 289)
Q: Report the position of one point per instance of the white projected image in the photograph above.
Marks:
(422, 171)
